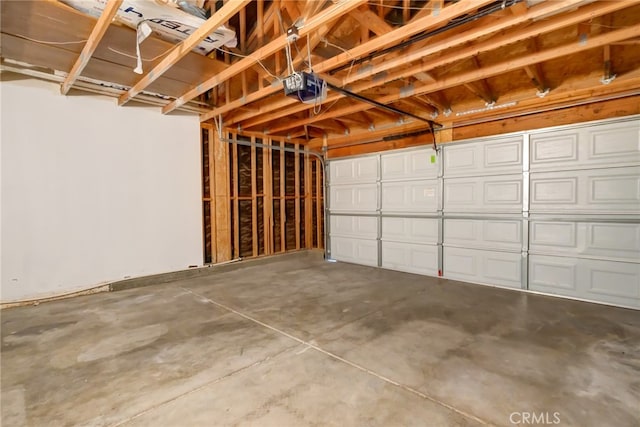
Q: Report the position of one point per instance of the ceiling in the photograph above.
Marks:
(451, 62)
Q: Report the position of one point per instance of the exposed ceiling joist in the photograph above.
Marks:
(395, 36)
(480, 87)
(547, 25)
(314, 23)
(97, 33)
(468, 36)
(400, 62)
(370, 20)
(432, 7)
(489, 71)
(184, 47)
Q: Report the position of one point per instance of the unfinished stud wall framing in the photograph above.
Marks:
(258, 200)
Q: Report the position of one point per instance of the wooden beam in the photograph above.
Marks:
(377, 146)
(561, 116)
(534, 72)
(91, 45)
(444, 46)
(236, 207)
(370, 20)
(472, 35)
(296, 171)
(311, 7)
(212, 190)
(406, 11)
(569, 115)
(243, 30)
(268, 18)
(566, 96)
(432, 7)
(254, 198)
(283, 207)
(267, 200)
(470, 76)
(314, 41)
(221, 208)
(519, 8)
(369, 136)
(184, 47)
(607, 72)
(379, 42)
(314, 23)
(308, 203)
(480, 87)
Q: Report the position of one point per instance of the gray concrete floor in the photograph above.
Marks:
(296, 341)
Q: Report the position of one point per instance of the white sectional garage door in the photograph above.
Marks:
(554, 211)
(483, 205)
(409, 211)
(354, 199)
(585, 200)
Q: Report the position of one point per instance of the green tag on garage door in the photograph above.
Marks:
(433, 158)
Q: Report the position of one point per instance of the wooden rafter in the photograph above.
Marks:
(371, 135)
(607, 71)
(432, 7)
(466, 37)
(534, 72)
(436, 100)
(524, 33)
(480, 88)
(96, 35)
(311, 7)
(184, 47)
(395, 36)
(317, 21)
(486, 72)
(371, 21)
(445, 45)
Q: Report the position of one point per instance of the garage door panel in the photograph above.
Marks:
(614, 143)
(596, 146)
(354, 198)
(506, 233)
(551, 272)
(614, 189)
(502, 192)
(483, 194)
(486, 234)
(416, 230)
(484, 157)
(354, 226)
(503, 155)
(357, 251)
(358, 170)
(410, 196)
(586, 239)
(596, 280)
(409, 165)
(553, 150)
(482, 266)
(410, 257)
(608, 191)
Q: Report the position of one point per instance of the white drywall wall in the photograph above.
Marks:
(93, 192)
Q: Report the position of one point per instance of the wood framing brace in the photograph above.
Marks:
(261, 196)
(326, 16)
(97, 33)
(183, 48)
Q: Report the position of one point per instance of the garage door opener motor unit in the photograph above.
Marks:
(306, 87)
